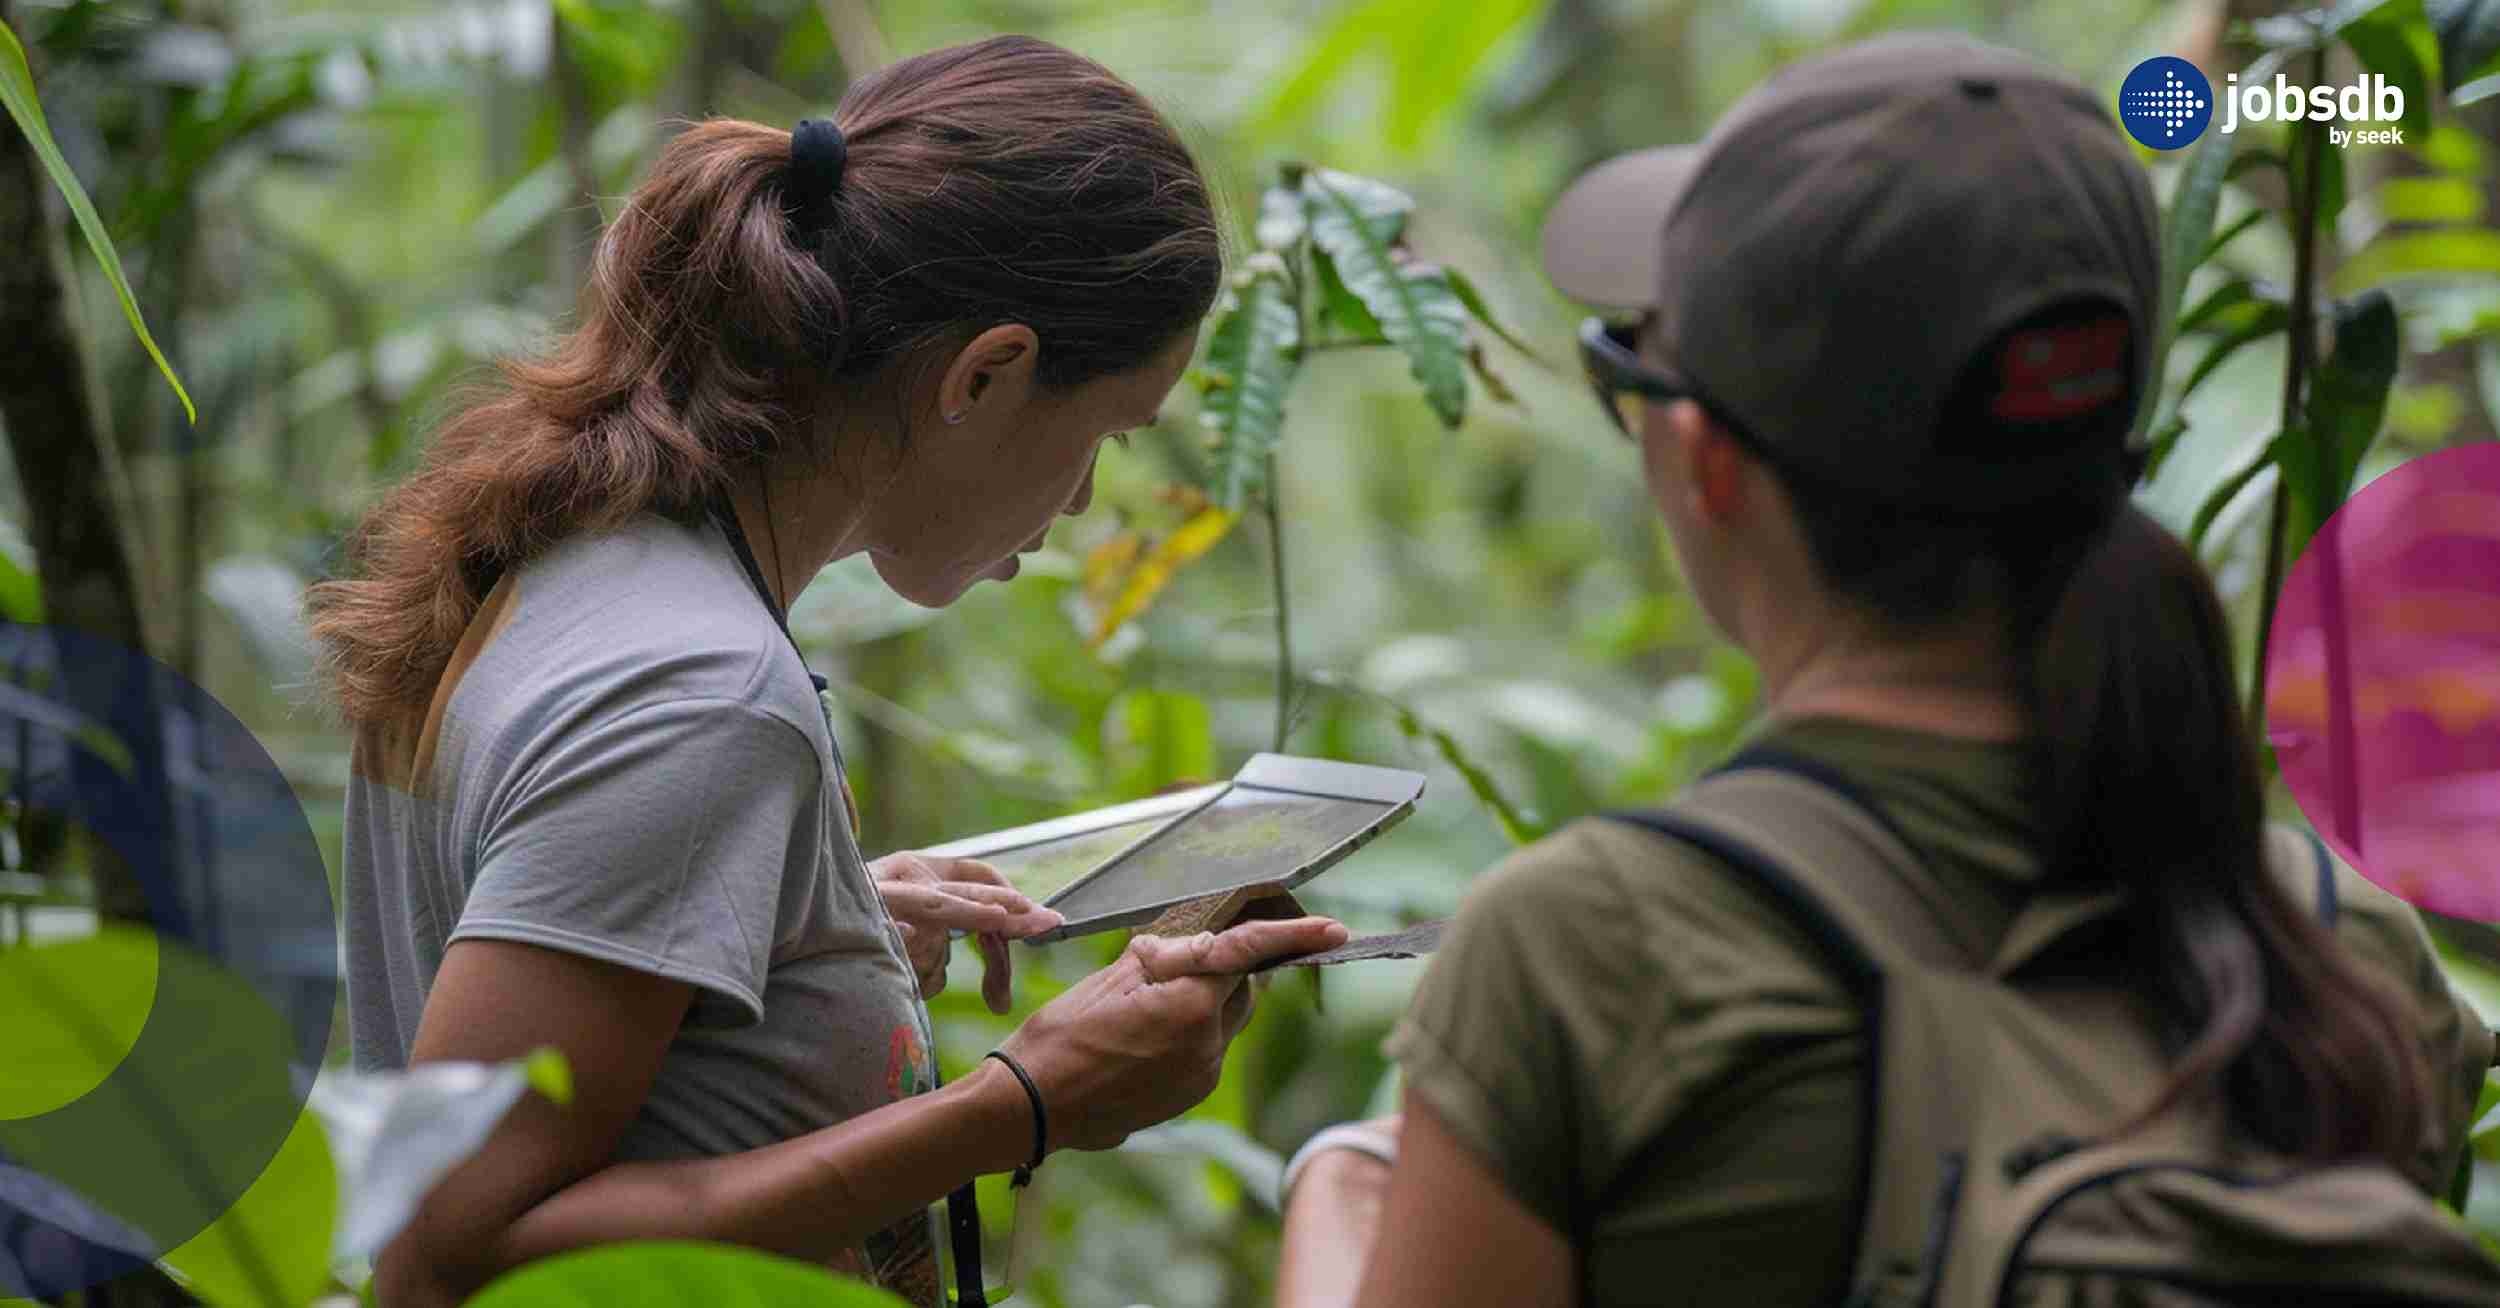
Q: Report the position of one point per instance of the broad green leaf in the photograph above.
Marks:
(1437, 50)
(2430, 199)
(1474, 300)
(2400, 255)
(669, 1273)
(272, 1249)
(1357, 221)
(1357, 29)
(17, 93)
(2186, 230)
(1341, 308)
(1156, 568)
(2395, 41)
(2227, 490)
(2347, 405)
(1252, 356)
(2469, 38)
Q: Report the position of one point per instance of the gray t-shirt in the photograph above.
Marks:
(626, 760)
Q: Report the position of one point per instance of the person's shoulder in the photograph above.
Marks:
(653, 612)
(1648, 909)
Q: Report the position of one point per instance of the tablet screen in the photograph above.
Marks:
(1251, 835)
(1045, 868)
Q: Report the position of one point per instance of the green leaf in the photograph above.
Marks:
(2254, 322)
(2186, 230)
(1437, 51)
(1517, 824)
(2228, 234)
(2227, 490)
(279, 1229)
(1252, 356)
(667, 1273)
(1341, 308)
(1474, 300)
(17, 93)
(2347, 405)
(2395, 41)
(2469, 38)
(2431, 199)
(2235, 292)
(1358, 223)
(2400, 255)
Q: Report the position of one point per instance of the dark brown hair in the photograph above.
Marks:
(2144, 773)
(1006, 180)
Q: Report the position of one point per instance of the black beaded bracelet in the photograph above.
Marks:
(1041, 1122)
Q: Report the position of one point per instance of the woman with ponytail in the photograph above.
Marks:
(597, 804)
(1894, 319)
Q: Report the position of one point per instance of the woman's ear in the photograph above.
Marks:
(1716, 469)
(993, 373)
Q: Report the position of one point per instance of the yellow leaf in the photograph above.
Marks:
(1106, 564)
(1174, 552)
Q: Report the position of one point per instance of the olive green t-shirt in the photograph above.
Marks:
(1655, 1061)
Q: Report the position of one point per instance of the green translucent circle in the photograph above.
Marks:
(70, 1011)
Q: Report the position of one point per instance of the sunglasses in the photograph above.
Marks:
(1625, 385)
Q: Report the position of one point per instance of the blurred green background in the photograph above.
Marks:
(334, 214)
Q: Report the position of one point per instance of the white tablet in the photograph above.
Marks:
(1279, 822)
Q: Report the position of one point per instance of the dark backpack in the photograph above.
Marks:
(1994, 1059)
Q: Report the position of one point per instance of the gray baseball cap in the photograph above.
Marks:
(1920, 266)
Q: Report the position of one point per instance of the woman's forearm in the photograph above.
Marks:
(812, 1197)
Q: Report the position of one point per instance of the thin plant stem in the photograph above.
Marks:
(1284, 614)
(2310, 141)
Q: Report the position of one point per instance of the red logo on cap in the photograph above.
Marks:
(2061, 371)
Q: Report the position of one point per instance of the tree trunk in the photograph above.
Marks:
(71, 482)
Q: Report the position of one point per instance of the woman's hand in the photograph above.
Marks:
(1142, 1040)
(929, 896)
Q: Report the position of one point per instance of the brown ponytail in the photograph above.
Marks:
(1006, 180)
(2144, 773)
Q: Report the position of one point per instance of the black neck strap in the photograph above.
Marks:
(963, 1207)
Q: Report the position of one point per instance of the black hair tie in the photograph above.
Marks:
(817, 154)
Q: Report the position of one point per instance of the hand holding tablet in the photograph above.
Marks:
(1279, 822)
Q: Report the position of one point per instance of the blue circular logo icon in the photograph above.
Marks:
(2165, 102)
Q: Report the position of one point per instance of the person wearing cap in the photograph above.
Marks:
(1886, 330)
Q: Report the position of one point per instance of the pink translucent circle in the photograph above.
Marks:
(2383, 682)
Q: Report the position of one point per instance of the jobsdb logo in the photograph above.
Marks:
(2166, 103)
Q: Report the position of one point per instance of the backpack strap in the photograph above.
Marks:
(1835, 865)
(1802, 836)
